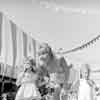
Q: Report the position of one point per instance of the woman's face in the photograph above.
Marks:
(43, 55)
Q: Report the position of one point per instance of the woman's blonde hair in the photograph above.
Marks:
(47, 49)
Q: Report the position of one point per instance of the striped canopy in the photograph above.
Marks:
(15, 45)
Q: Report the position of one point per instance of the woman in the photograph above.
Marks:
(27, 81)
(56, 67)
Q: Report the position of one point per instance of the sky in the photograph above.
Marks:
(61, 23)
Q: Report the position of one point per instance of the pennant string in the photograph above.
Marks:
(80, 47)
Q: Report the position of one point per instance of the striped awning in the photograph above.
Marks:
(15, 45)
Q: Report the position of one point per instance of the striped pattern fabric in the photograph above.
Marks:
(15, 45)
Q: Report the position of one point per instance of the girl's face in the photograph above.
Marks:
(27, 64)
(85, 73)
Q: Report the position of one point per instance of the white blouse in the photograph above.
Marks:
(85, 91)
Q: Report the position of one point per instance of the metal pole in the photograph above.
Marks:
(2, 88)
(37, 57)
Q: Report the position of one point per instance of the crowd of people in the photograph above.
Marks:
(48, 80)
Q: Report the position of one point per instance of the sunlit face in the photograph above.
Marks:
(43, 55)
(27, 64)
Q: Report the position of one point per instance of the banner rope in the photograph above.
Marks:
(80, 47)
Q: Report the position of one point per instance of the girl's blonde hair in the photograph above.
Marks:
(29, 60)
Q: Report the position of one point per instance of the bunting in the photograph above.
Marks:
(15, 45)
(25, 44)
(19, 48)
(0, 31)
(81, 47)
(30, 46)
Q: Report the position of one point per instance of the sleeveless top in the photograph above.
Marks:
(85, 91)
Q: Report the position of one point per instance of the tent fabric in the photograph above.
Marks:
(0, 30)
(15, 45)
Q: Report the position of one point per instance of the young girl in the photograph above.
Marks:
(85, 87)
(27, 79)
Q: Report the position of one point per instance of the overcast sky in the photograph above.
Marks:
(62, 23)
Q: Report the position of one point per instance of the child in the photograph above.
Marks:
(28, 89)
(85, 86)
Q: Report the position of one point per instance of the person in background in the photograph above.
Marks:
(85, 87)
(27, 81)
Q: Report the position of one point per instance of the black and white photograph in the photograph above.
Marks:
(49, 50)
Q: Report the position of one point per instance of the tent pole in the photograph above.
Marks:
(36, 54)
(2, 88)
